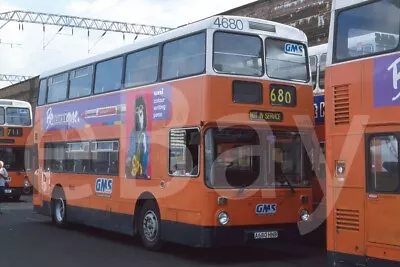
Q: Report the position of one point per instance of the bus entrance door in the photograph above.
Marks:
(383, 190)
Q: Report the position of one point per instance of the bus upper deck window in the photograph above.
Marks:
(238, 54)
(2, 116)
(360, 35)
(286, 60)
(313, 66)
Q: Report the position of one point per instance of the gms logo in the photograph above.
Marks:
(294, 49)
(266, 209)
(104, 187)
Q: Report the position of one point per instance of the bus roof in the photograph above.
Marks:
(250, 25)
(318, 49)
(339, 4)
(14, 103)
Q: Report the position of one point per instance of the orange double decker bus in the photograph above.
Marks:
(362, 133)
(188, 137)
(16, 143)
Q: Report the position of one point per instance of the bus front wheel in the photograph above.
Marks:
(150, 226)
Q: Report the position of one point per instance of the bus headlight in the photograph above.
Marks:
(305, 215)
(223, 218)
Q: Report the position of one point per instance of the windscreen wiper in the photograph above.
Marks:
(290, 185)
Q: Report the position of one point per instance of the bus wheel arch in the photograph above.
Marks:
(147, 221)
(58, 206)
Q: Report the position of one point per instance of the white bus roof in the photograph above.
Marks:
(14, 103)
(339, 4)
(281, 30)
(318, 49)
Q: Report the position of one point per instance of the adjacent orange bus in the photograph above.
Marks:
(362, 133)
(188, 137)
(16, 143)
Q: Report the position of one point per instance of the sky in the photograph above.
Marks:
(33, 50)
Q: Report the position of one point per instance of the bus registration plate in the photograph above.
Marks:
(266, 235)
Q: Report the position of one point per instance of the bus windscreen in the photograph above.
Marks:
(286, 60)
(18, 116)
(238, 158)
(238, 54)
(13, 158)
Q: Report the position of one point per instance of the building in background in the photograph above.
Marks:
(26, 91)
(310, 16)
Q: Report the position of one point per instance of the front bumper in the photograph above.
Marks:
(228, 236)
(17, 191)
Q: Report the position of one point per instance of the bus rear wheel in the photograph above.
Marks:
(150, 226)
(59, 207)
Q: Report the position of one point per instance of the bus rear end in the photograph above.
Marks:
(15, 146)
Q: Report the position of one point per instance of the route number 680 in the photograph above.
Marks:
(233, 24)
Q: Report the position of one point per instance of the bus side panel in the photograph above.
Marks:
(376, 93)
(349, 220)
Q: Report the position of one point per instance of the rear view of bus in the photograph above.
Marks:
(363, 133)
(15, 145)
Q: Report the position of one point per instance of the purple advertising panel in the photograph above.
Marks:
(162, 103)
(103, 110)
(387, 81)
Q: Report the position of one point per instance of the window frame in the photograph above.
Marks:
(159, 62)
(29, 117)
(92, 81)
(45, 80)
(15, 150)
(305, 173)
(316, 57)
(319, 70)
(66, 153)
(368, 160)
(51, 145)
(306, 56)
(91, 158)
(264, 67)
(66, 92)
(261, 169)
(338, 12)
(121, 87)
(160, 73)
(198, 152)
(4, 116)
